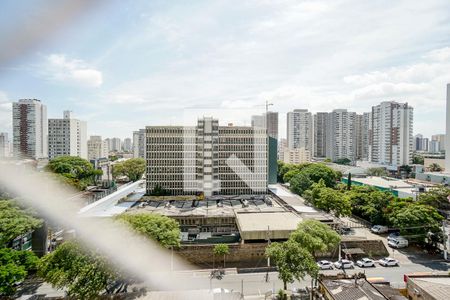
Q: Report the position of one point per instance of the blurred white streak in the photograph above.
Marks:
(138, 256)
(30, 30)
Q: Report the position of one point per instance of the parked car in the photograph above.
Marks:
(393, 235)
(379, 229)
(325, 265)
(399, 242)
(388, 262)
(345, 230)
(344, 264)
(365, 263)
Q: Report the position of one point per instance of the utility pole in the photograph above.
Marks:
(445, 239)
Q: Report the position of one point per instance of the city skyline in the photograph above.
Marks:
(163, 60)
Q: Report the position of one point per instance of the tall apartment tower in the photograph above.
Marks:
(320, 134)
(127, 145)
(362, 136)
(30, 129)
(207, 158)
(115, 145)
(441, 139)
(300, 129)
(391, 134)
(67, 136)
(447, 131)
(4, 145)
(96, 147)
(139, 143)
(269, 121)
(341, 135)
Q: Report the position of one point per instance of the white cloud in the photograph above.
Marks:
(60, 68)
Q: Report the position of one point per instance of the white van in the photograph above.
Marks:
(399, 242)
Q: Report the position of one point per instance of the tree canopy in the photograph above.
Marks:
(14, 267)
(292, 260)
(162, 229)
(75, 170)
(221, 250)
(377, 172)
(301, 180)
(82, 272)
(315, 236)
(15, 221)
(132, 168)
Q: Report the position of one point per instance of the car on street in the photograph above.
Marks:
(379, 229)
(325, 265)
(365, 263)
(399, 242)
(388, 262)
(393, 235)
(344, 264)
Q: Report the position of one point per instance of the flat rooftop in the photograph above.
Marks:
(437, 287)
(256, 226)
(226, 207)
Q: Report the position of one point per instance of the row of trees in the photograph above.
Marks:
(296, 258)
(418, 220)
(15, 265)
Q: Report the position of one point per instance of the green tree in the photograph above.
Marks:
(221, 249)
(436, 197)
(318, 171)
(434, 167)
(343, 161)
(292, 261)
(132, 168)
(164, 230)
(377, 172)
(14, 267)
(417, 159)
(74, 170)
(82, 272)
(15, 221)
(313, 193)
(369, 203)
(331, 200)
(299, 183)
(416, 220)
(315, 237)
(405, 169)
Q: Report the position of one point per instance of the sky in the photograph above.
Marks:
(122, 65)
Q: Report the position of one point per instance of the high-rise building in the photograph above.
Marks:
(127, 145)
(320, 134)
(441, 139)
(390, 134)
(300, 129)
(107, 146)
(425, 144)
(115, 145)
(341, 135)
(30, 129)
(207, 158)
(269, 121)
(434, 147)
(139, 143)
(418, 142)
(282, 145)
(4, 145)
(67, 136)
(362, 136)
(96, 147)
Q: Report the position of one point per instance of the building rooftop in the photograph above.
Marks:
(436, 287)
(351, 289)
(257, 226)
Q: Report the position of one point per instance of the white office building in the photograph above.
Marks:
(67, 136)
(300, 130)
(391, 134)
(115, 145)
(207, 158)
(441, 139)
(127, 145)
(30, 129)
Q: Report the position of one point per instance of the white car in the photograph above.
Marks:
(325, 265)
(399, 242)
(344, 264)
(365, 263)
(388, 262)
(379, 229)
